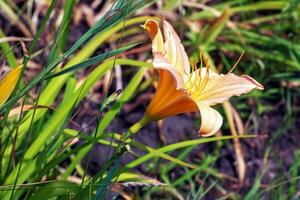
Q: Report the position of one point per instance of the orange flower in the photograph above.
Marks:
(181, 89)
(8, 83)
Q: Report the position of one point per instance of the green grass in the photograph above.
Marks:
(37, 157)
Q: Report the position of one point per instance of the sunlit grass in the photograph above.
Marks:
(41, 153)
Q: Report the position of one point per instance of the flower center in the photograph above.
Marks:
(196, 81)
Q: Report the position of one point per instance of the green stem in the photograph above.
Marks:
(137, 126)
(133, 130)
(126, 139)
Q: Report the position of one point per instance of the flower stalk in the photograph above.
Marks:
(137, 126)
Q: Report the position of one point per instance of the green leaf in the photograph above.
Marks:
(114, 16)
(8, 52)
(179, 145)
(215, 29)
(68, 10)
(55, 189)
(108, 117)
(91, 61)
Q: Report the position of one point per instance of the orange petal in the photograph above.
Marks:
(211, 120)
(168, 100)
(8, 83)
(219, 88)
(175, 52)
(159, 62)
(152, 27)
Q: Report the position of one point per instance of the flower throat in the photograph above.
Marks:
(196, 81)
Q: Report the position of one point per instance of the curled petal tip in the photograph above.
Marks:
(254, 82)
(153, 30)
(211, 120)
(207, 130)
(206, 134)
(151, 26)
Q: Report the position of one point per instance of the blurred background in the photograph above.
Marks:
(265, 167)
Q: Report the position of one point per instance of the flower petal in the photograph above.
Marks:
(211, 120)
(220, 88)
(8, 83)
(152, 27)
(168, 100)
(175, 52)
(160, 62)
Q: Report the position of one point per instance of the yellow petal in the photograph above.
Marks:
(211, 120)
(152, 27)
(221, 87)
(8, 83)
(168, 100)
(175, 52)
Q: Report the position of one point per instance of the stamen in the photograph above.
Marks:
(201, 84)
(200, 70)
(194, 66)
(237, 62)
(201, 60)
(188, 82)
(199, 79)
(195, 84)
(206, 75)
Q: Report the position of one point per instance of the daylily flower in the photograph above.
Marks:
(182, 89)
(8, 83)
